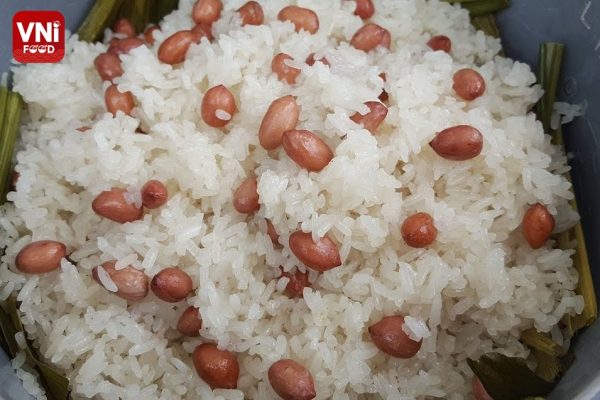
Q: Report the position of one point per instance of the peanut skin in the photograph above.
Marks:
(538, 225)
(40, 257)
(302, 18)
(291, 381)
(202, 30)
(458, 143)
(207, 11)
(418, 230)
(283, 71)
(440, 43)
(374, 118)
(389, 337)
(174, 48)
(217, 98)
(171, 285)
(124, 46)
(154, 194)
(282, 116)
(190, 322)
(132, 284)
(112, 204)
(307, 149)
(218, 368)
(118, 101)
(108, 66)
(124, 27)
(245, 198)
(468, 84)
(149, 34)
(297, 282)
(364, 9)
(251, 13)
(320, 256)
(370, 37)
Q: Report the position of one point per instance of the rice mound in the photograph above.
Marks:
(474, 291)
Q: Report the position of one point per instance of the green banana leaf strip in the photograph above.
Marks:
(137, 12)
(551, 56)
(550, 62)
(160, 8)
(9, 132)
(3, 97)
(7, 330)
(56, 385)
(102, 15)
(482, 7)
(487, 24)
(508, 378)
(541, 342)
(140, 12)
(549, 367)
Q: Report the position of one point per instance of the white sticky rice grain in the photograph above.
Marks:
(282, 283)
(415, 329)
(106, 280)
(20, 339)
(222, 115)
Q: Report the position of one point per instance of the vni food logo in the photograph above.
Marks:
(38, 36)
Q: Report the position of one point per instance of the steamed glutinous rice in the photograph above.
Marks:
(472, 291)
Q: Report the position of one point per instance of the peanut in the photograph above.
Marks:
(108, 66)
(297, 282)
(251, 13)
(440, 43)
(302, 18)
(174, 48)
(418, 230)
(112, 204)
(370, 37)
(371, 120)
(40, 257)
(171, 285)
(310, 60)
(245, 198)
(468, 84)
(131, 283)
(149, 34)
(124, 27)
(190, 322)
(538, 225)
(283, 71)
(207, 11)
(364, 9)
(321, 256)
(281, 116)
(154, 194)
(202, 30)
(291, 381)
(218, 368)
(215, 99)
(118, 101)
(389, 337)
(307, 149)
(458, 143)
(124, 46)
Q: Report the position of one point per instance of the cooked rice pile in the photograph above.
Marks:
(473, 291)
